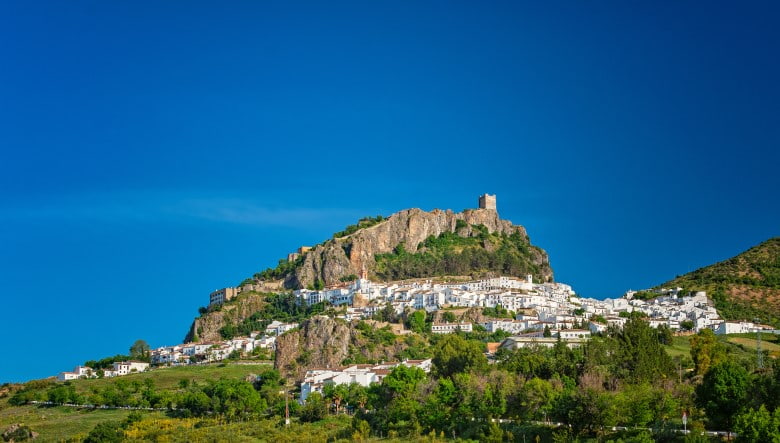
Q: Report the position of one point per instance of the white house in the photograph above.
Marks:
(567, 334)
(447, 328)
(732, 327)
(78, 372)
(316, 379)
(127, 367)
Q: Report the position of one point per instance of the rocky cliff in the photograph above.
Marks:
(339, 257)
(206, 327)
(324, 342)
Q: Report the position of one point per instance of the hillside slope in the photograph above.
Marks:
(206, 327)
(743, 287)
(495, 245)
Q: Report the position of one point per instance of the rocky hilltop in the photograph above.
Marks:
(349, 255)
(744, 287)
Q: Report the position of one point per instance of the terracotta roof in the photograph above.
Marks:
(492, 347)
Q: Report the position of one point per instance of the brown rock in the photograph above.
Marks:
(206, 327)
(336, 258)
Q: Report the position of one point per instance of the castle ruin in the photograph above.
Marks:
(487, 201)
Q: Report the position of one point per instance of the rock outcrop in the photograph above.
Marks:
(324, 342)
(336, 258)
(206, 327)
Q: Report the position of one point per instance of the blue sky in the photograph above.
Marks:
(153, 152)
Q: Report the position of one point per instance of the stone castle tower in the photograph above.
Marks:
(487, 201)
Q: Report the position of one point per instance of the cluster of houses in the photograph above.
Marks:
(538, 306)
(544, 313)
(118, 368)
(220, 350)
(365, 374)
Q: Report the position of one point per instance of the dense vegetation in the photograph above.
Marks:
(454, 254)
(744, 287)
(282, 269)
(281, 306)
(625, 378)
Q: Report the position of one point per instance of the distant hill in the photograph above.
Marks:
(743, 287)
(417, 244)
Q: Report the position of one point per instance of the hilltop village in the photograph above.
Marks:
(530, 313)
(541, 313)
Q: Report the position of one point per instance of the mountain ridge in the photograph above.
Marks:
(743, 287)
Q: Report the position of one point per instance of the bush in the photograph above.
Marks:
(106, 432)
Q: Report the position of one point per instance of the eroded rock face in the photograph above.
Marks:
(336, 258)
(324, 342)
(206, 327)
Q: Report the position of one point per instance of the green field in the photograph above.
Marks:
(742, 346)
(64, 423)
(58, 423)
(168, 378)
(680, 347)
(749, 344)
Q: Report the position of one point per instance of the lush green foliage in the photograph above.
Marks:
(706, 350)
(363, 223)
(645, 295)
(453, 254)
(723, 392)
(139, 350)
(283, 307)
(453, 354)
(107, 362)
(282, 269)
(621, 378)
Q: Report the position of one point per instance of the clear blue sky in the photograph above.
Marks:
(152, 152)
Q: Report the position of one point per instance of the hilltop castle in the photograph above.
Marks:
(487, 201)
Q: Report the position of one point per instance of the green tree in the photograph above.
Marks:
(336, 394)
(106, 432)
(314, 409)
(234, 398)
(640, 356)
(723, 393)
(536, 399)
(453, 354)
(587, 410)
(357, 395)
(706, 350)
(140, 350)
(665, 335)
(387, 313)
(417, 322)
(758, 425)
(402, 380)
(449, 317)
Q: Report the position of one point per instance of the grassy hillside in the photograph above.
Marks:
(744, 287)
(66, 423)
(169, 378)
(738, 346)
